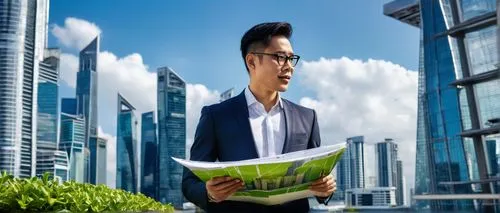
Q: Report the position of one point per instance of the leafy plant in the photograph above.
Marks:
(47, 195)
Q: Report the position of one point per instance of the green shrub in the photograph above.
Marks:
(47, 195)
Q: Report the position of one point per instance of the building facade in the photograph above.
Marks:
(126, 143)
(24, 39)
(55, 163)
(48, 109)
(86, 88)
(86, 96)
(350, 169)
(400, 184)
(386, 155)
(72, 139)
(458, 100)
(149, 156)
(98, 161)
(171, 135)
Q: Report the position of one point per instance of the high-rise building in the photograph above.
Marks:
(459, 94)
(400, 184)
(341, 177)
(386, 155)
(48, 109)
(68, 106)
(356, 161)
(171, 135)
(149, 155)
(86, 88)
(72, 138)
(227, 94)
(24, 39)
(350, 169)
(55, 163)
(98, 161)
(126, 143)
(86, 96)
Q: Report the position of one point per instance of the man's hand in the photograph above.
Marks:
(324, 186)
(220, 188)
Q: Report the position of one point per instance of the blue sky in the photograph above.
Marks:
(355, 69)
(200, 39)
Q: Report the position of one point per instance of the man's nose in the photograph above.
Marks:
(287, 67)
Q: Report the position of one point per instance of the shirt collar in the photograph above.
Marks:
(252, 100)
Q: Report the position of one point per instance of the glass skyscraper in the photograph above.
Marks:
(86, 88)
(459, 96)
(23, 31)
(86, 95)
(149, 155)
(98, 161)
(72, 138)
(386, 155)
(356, 161)
(48, 106)
(126, 142)
(351, 169)
(171, 134)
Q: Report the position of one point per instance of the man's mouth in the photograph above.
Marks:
(285, 77)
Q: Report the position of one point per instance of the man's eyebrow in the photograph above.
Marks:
(283, 52)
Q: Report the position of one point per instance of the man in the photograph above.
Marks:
(256, 123)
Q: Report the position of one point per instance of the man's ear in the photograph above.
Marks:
(250, 60)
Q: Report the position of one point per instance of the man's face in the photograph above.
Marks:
(270, 72)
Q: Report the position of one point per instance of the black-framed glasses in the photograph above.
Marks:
(282, 58)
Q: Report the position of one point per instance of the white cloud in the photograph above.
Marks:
(75, 33)
(374, 98)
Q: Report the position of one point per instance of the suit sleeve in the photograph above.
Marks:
(203, 149)
(315, 141)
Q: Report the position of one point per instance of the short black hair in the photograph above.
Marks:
(260, 35)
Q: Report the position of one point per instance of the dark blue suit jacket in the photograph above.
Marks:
(224, 134)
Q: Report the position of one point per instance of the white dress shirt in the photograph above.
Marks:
(268, 128)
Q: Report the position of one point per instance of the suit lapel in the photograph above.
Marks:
(288, 110)
(242, 118)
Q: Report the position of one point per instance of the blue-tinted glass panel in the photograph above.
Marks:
(482, 50)
(488, 99)
(474, 8)
(48, 112)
